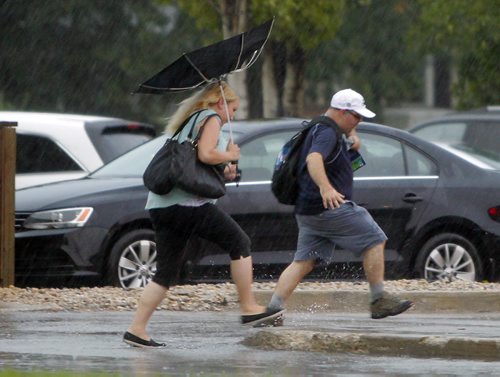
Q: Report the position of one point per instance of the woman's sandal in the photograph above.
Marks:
(135, 341)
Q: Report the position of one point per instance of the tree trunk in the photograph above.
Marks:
(273, 79)
(294, 83)
(270, 95)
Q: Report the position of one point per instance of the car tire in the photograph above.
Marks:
(132, 261)
(449, 256)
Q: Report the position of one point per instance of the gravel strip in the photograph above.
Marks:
(203, 297)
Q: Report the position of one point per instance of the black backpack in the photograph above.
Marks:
(284, 184)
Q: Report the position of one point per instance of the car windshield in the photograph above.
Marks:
(478, 157)
(478, 138)
(133, 163)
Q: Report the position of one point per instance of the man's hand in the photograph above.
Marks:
(356, 142)
(331, 197)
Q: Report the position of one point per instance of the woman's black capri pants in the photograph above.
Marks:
(175, 225)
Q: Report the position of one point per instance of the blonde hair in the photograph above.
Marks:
(203, 99)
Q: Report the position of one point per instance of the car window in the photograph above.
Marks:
(259, 155)
(419, 164)
(133, 163)
(383, 156)
(482, 138)
(37, 154)
(114, 140)
(450, 133)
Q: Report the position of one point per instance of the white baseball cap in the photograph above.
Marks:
(348, 99)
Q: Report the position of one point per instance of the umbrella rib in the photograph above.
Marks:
(252, 60)
(256, 53)
(242, 44)
(170, 89)
(196, 68)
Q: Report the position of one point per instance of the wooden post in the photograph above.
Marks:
(7, 189)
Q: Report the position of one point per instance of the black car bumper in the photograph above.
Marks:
(46, 255)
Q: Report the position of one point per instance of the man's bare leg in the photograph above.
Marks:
(382, 304)
(374, 267)
(288, 281)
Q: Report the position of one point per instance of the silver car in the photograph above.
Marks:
(55, 147)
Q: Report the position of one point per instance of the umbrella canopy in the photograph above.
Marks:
(210, 63)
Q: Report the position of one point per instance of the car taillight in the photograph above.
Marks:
(494, 213)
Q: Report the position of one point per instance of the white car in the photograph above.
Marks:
(56, 147)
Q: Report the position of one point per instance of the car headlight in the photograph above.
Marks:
(59, 218)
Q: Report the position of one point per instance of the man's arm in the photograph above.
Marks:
(331, 197)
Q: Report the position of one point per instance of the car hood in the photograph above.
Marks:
(79, 192)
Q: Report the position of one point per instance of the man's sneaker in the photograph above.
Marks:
(262, 319)
(389, 305)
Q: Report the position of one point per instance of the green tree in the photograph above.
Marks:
(468, 33)
(299, 27)
(371, 54)
(87, 56)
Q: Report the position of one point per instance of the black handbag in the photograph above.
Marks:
(177, 165)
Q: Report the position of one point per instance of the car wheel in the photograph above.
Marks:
(132, 263)
(449, 256)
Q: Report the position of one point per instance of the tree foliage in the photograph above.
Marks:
(301, 23)
(85, 56)
(371, 54)
(468, 32)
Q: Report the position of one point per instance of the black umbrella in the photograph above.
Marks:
(210, 63)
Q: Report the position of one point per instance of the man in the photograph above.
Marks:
(326, 216)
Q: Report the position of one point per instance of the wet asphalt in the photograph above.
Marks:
(209, 344)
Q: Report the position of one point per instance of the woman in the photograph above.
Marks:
(179, 215)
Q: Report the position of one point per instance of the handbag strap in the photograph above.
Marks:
(181, 127)
(195, 141)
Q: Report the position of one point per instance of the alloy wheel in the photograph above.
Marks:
(449, 261)
(137, 264)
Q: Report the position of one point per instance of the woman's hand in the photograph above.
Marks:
(230, 172)
(234, 150)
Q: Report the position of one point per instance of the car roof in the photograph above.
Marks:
(53, 122)
(74, 133)
(488, 113)
(250, 128)
(53, 117)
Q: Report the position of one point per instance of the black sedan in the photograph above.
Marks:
(439, 207)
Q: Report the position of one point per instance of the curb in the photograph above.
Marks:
(16, 307)
(366, 344)
(357, 301)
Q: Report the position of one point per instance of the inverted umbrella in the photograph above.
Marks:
(210, 63)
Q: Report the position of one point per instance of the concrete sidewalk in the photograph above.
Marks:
(434, 338)
(441, 324)
(357, 301)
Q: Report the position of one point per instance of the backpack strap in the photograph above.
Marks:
(323, 119)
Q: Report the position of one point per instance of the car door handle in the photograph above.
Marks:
(412, 198)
